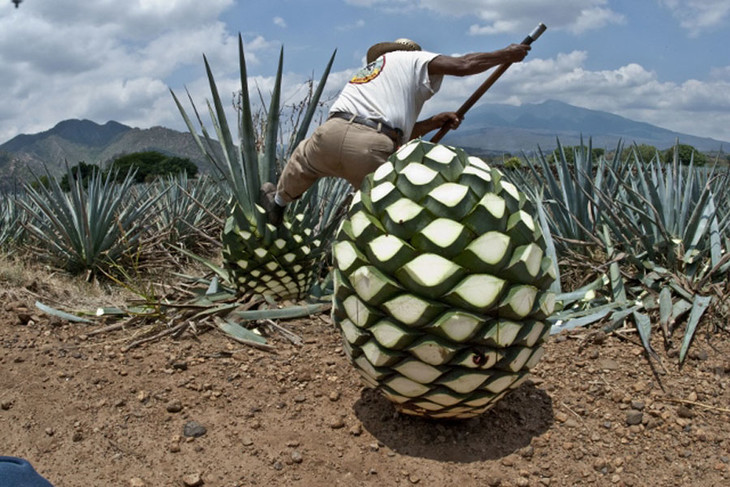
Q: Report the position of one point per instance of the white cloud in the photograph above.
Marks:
(508, 16)
(280, 22)
(694, 107)
(697, 16)
(104, 60)
(97, 60)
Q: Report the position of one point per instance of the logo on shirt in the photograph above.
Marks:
(369, 72)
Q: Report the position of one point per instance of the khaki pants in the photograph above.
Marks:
(337, 148)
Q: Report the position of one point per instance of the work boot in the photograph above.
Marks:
(274, 212)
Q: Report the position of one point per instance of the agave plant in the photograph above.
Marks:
(87, 229)
(260, 258)
(670, 216)
(666, 242)
(570, 193)
(188, 211)
(12, 220)
(673, 228)
(442, 282)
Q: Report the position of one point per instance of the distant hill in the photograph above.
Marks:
(507, 128)
(490, 129)
(74, 141)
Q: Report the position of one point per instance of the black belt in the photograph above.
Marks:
(396, 135)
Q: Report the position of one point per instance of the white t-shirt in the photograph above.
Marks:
(392, 89)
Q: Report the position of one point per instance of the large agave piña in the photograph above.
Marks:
(441, 286)
(260, 258)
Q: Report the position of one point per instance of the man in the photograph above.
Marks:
(374, 114)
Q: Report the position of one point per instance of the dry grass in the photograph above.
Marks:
(29, 282)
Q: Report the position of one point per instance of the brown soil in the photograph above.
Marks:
(595, 413)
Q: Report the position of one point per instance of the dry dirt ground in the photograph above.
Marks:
(84, 413)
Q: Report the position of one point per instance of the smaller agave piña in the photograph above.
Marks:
(441, 289)
(260, 258)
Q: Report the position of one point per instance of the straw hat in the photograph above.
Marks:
(398, 45)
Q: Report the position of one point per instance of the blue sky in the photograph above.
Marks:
(663, 62)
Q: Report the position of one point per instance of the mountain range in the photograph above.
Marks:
(74, 141)
(492, 129)
(507, 128)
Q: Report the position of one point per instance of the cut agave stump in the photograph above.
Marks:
(441, 286)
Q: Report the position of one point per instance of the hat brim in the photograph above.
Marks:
(381, 48)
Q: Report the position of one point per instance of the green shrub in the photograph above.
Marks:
(685, 154)
(151, 165)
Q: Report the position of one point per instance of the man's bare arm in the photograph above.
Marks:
(477, 62)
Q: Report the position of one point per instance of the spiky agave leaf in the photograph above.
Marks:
(574, 209)
(12, 222)
(667, 215)
(89, 228)
(262, 258)
(442, 282)
(188, 211)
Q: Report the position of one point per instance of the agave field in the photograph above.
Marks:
(624, 244)
(440, 281)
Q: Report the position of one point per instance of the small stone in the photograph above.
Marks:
(561, 417)
(608, 364)
(50, 431)
(246, 441)
(634, 417)
(174, 406)
(180, 365)
(296, 456)
(684, 411)
(337, 423)
(638, 405)
(527, 452)
(192, 480)
(193, 429)
(698, 354)
(653, 423)
(6, 405)
(334, 396)
(356, 430)
(77, 436)
(522, 482)
(413, 479)
(136, 482)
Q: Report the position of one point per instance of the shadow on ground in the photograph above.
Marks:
(507, 427)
